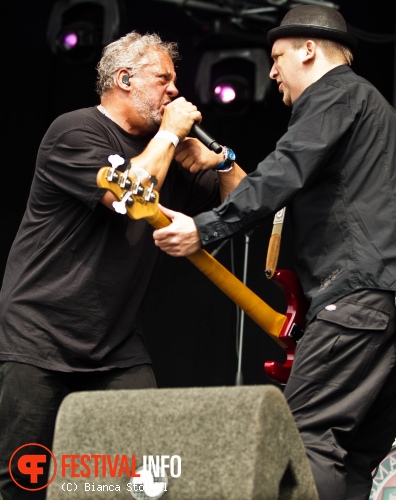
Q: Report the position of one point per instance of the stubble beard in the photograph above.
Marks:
(287, 100)
(147, 110)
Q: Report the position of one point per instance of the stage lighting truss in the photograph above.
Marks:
(78, 29)
(260, 10)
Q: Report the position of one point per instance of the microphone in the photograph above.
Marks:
(205, 138)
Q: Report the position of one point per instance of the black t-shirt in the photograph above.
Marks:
(77, 273)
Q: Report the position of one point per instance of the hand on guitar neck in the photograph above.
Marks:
(140, 202)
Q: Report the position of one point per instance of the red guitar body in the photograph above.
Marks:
(294, 326)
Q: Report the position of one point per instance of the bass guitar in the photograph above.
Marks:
(134, 190)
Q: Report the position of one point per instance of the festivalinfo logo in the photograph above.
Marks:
(149, 481)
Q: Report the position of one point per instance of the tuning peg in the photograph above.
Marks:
(115, 161)
(124, 180)
(120, 206)
(153, 180)
(149, 195)
(140, 173)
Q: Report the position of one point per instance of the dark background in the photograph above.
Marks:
(192, 328)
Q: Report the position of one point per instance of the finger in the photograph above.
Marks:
(181, 157)
(167, 211)
(161, 236)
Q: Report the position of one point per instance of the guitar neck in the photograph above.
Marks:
(259, 311)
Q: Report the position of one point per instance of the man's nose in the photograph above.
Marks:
(273, 73)
(172, 89)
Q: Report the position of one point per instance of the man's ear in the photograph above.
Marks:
(310, 48)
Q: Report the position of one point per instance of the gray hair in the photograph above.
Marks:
(129, 52)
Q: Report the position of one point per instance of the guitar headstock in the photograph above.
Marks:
(133, 188)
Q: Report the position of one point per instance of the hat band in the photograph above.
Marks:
(310, 30)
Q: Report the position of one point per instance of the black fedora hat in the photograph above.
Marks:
(316, 21)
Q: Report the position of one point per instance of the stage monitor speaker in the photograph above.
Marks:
(201, 444)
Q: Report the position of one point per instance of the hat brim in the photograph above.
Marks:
(309, 30)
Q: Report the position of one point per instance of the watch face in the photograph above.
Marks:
(229, 160)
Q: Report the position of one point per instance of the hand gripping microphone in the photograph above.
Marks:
(205, 138)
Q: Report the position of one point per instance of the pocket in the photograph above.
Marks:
(351, 314)
(342, 344)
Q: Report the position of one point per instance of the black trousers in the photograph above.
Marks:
(342, 392)
(29, 401)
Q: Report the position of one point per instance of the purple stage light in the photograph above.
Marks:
(225, 93)
(69, 40)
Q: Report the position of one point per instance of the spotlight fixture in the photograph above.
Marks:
(78, 29)
(233, 78)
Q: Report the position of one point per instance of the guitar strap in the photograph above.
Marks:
(274, 243)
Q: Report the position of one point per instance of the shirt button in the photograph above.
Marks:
(206, 237)
(215, 233)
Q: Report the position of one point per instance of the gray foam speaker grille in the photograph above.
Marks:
(222, 443)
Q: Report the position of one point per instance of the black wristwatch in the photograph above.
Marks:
(228, 162)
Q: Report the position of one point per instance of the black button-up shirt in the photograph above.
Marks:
(335, 169)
